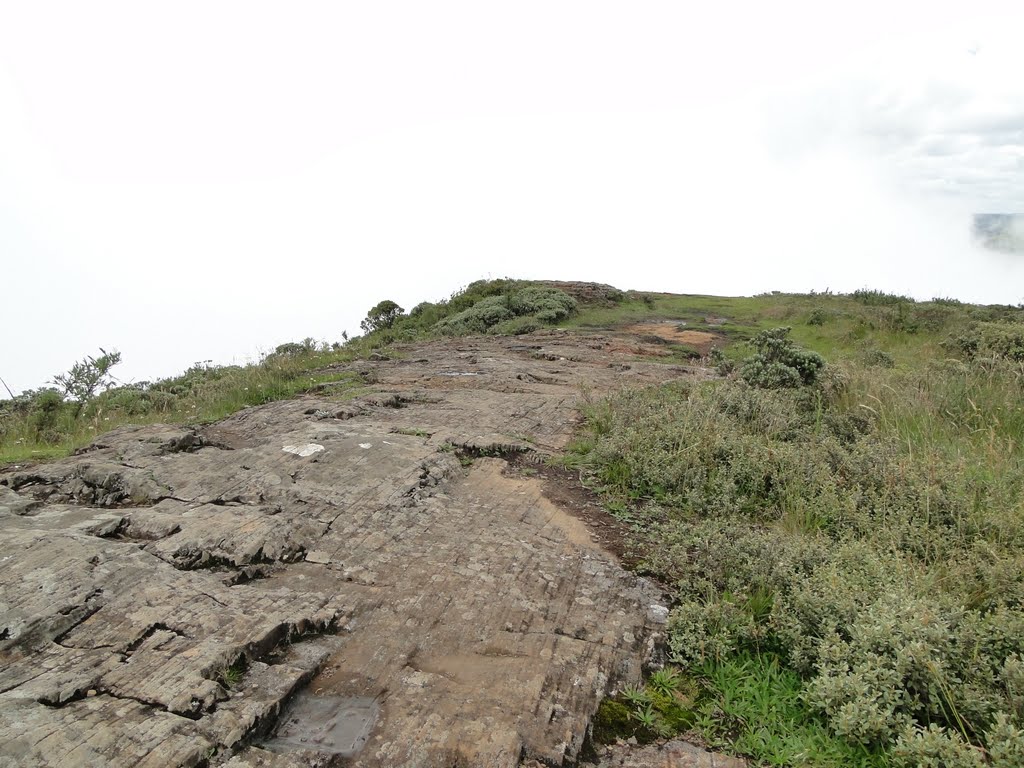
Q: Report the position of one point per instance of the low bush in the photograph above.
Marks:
(478, 318)
(989, 340)
(531, 304)
(548, 305)
(875, 298)
(879, 358)
(818, 316)
(778, 363)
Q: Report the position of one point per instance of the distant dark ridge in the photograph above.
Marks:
(1000, 231)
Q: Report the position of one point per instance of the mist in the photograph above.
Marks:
(213, 206)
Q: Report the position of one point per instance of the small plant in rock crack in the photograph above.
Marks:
(232, 676)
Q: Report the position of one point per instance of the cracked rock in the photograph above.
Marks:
(165, 593)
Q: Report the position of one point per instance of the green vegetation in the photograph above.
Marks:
(840, 513)
(778, 363)
(662, 707)
(507, 307)
(46, 424)
(232, 675)
(845, 541)
(87, 377)
(381, 316)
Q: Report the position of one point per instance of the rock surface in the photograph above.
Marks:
(165, 593)
(672, 754)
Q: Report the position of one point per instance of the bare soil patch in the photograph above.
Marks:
(672, 333)
(563, 488)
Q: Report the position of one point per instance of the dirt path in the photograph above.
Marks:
(165, 594)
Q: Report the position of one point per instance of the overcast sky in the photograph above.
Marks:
(202, 181)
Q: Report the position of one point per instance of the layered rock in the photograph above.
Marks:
(165, 593)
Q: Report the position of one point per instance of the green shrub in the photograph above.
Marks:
(1005, 743)
(902, 318)
(934, 317)
(995, 340)
(88, 377)
(549, 305)
(381, 316)
(779, 363)
(879, 358)
(875, 298)
(46, 409)
(478, 318)
(426, 314)
(935, 747)
(135, 400)
(517, 326)
(531, 304)
(888, 669)
(818, 316)
(477, 290)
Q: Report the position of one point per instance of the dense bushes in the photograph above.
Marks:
(875, 298)
(864, 528)
(778, 363)
(990, 340)
(485, 306)
(531, 306)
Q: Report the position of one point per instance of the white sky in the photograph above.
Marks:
(201, 181)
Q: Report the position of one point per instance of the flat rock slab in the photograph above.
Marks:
(334, 725)
(167, 592)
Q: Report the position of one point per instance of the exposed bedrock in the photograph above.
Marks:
(167, 592)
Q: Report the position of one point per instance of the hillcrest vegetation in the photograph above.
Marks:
(834, 501)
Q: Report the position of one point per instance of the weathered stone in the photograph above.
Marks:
(154, 588)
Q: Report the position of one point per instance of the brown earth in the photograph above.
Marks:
(397, 580)
(671, 332)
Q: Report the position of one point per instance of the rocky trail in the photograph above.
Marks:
(387, 581)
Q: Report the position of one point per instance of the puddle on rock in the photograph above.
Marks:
(339, 725)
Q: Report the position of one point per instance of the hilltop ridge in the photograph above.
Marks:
(534, 523)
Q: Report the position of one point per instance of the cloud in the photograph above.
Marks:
(214, 181)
